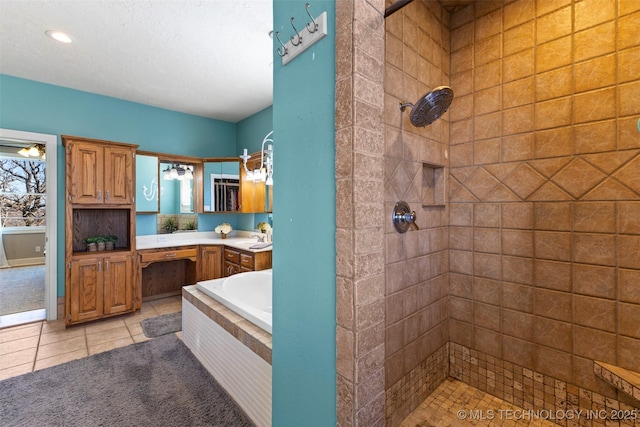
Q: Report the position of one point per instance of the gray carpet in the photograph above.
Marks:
(21, 289)
(156, 383)
(162, 325)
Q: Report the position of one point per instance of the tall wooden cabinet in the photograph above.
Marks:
(99, 202)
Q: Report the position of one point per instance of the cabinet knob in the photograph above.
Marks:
(99, 194)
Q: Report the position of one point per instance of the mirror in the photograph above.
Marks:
(222, 186)
(176, 188)
(147, 189)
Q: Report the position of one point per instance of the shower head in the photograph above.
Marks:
(430, 107)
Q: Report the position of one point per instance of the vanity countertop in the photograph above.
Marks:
(238, 239)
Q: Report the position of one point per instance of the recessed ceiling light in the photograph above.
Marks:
(59, 36)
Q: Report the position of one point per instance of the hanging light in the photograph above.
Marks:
(36, 150)
(264, 172)
(166, 174)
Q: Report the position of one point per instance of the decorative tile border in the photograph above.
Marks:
(537, 392)
(407, 393)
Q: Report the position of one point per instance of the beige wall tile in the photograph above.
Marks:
(518, 351)
(629, 103)
(628, 219)
(628, 350)
(596, 105)
(555, 363)
(592, 12)
(518, 38)
(629, 319)
(553, 333)
(554, 54)
(518, 12)
(594, 280)
(517, 242)
(594, 217)
(518, 66)
(487, 341)
(553, 304)
(486, 316)
(518, 297)
(517, 147)
(554, 84)
(554, 113)
(594, 344)
(486, 215)
(595, 41)
(518, 324)
(486, 240)
(595, 73)
(553, 25)
(629, 251)
(553, 275)
(487, 291)
(554, 142)
(594, 249)
(593, 312)
(595, 137)
(628, 35)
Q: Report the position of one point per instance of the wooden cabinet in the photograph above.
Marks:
(164, 271)
(100, 174)
(99, 202)
(238, 261)
(210, 263)
(102, 286)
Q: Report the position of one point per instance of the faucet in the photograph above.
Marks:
(260, 238)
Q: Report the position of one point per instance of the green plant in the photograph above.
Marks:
(189, 225)
(93, 239)
(110, 238)
(170, 225)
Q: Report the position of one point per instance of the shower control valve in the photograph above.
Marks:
(403, 217)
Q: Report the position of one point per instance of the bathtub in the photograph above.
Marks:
(248, 294)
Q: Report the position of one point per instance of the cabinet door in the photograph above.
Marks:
(118, 284)
(118, 175)
(210, 262)
(85, 170)
(85, 286)
(230, 269)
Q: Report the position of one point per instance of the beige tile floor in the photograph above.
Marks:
(455, 403)
(39, 345)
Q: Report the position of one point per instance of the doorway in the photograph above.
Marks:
(29, 287)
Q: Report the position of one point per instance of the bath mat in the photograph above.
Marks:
(162, 325)
(154, 383)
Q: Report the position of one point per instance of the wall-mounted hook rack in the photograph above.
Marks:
(305, 38)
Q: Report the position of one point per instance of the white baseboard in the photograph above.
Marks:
(21, 262)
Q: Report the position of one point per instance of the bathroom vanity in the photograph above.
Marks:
(166, 263)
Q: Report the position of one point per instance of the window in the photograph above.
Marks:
(22, 193)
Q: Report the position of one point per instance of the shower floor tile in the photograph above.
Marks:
(455, 403)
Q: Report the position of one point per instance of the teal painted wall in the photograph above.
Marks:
(304, 276)
(37, 107)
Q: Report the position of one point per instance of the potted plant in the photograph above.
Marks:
(189, 225)
(110, 242)
(170, 225)
(92, 243)
(102, 243)
(263, 227)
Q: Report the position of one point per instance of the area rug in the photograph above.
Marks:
(162, 325)
(154, 383)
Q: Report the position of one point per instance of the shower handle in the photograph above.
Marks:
(403, 217)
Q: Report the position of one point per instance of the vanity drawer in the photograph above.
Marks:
(231, 256)
(246, 261)
(231, 269)
(169, 255)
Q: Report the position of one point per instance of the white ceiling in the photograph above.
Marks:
(210, 58)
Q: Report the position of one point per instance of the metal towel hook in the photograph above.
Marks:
(297, 33)
(284, 48)
(315, 24)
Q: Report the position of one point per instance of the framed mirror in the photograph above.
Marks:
(147, 188)
(177, 194)
(221, 184)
